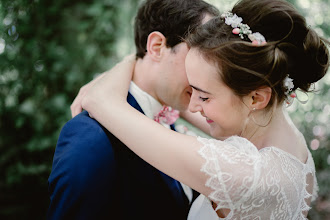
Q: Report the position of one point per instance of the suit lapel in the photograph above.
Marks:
(131, 100)
(176, 190)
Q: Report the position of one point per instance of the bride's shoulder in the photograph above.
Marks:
(234, 143)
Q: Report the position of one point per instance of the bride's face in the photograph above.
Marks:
(223, 110)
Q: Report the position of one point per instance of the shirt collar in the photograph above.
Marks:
(149, 105)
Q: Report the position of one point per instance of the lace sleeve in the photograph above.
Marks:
(233, 167)
(315, 185)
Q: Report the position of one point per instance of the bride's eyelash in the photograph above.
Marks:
(203, 99)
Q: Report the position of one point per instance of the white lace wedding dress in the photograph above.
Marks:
(265, 184)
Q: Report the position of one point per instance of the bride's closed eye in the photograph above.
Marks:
(203, 99)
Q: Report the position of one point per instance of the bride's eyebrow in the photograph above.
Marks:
(200, 90)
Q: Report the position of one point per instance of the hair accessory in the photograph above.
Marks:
(288, 85)
(290, 95)
(243, 30)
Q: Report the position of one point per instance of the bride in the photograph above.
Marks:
(243, 68)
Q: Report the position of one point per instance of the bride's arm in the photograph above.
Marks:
(197, 120)
(173, 153)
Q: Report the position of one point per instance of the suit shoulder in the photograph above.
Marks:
(82, 120)
(83, 170)
(83, 148)
(83, 138)
(84, 127)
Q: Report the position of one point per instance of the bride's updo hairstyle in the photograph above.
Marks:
(293, 49)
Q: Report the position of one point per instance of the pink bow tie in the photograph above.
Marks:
(167, 115)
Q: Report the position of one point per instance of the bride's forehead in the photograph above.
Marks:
(198, 66)
(195, 61)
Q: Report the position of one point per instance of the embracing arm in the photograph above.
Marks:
(197, 120)
(194, 118)
(173, 153)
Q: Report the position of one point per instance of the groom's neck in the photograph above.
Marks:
(146, 76)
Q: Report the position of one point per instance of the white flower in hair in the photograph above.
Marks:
(257, 37)
(243, 30)
(234, 21)
(288, 84)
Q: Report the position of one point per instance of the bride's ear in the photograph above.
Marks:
(260, 98)
(156, 43)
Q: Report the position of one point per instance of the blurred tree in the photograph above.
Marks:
(48, 50)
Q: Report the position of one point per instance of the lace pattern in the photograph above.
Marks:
(248, 181)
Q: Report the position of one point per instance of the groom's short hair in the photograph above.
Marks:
(173, 18)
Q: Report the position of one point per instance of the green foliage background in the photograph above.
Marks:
(48, 50)
(51, 49)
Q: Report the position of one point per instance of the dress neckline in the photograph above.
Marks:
(309, 156)
(290, 155)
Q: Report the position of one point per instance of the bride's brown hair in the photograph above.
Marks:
(292, 49)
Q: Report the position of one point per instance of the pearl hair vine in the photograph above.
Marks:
(243, 30)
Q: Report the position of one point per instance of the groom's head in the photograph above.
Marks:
(172, 18)
(160, 28)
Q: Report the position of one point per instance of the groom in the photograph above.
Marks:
(94, 175)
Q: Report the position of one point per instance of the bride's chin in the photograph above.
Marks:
(221, 138)
(218, 136)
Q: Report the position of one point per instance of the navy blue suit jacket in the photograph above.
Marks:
(95, 176)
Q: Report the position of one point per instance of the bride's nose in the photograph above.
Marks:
(194, 104)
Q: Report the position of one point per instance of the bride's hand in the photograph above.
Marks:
(112, 87)
(76, 106)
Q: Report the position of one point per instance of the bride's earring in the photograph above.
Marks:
(245, 126)
(260, 124)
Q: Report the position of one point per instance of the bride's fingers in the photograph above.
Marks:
(76, 106)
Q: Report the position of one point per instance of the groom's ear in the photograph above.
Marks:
(156, 44)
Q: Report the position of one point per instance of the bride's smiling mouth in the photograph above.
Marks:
(209, 120)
